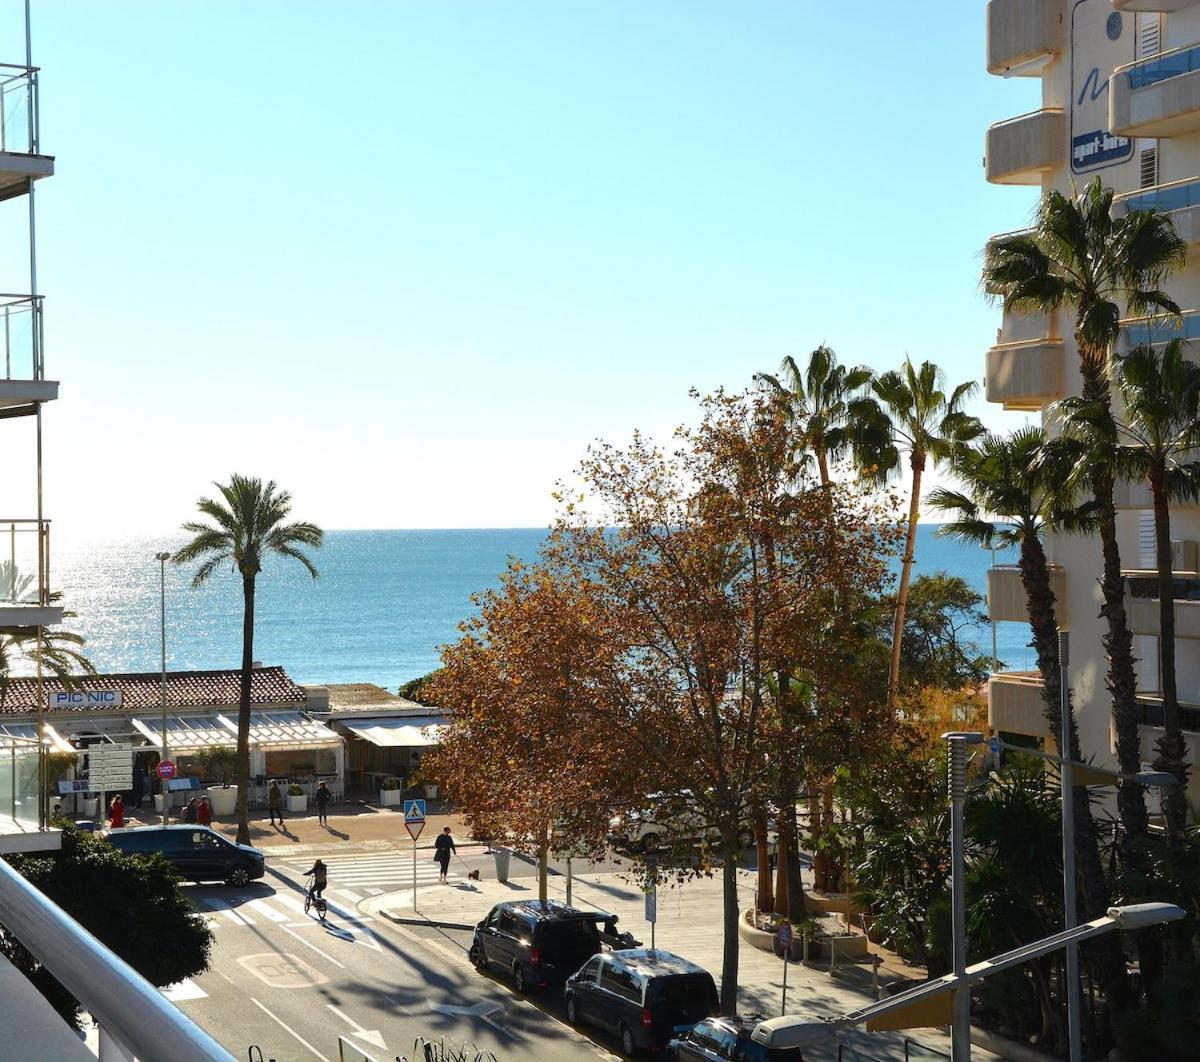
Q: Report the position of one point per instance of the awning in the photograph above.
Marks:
(413, 732)
(285, 730)
(187, 733)
(27, 733)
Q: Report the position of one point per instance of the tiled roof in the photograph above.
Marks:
(346, 697)
(185, 689)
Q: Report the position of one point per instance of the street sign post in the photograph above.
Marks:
(414, 822)
(784, 936)
(110, 769)
(652, 908)
(166, 768)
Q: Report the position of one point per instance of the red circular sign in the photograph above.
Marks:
(166, 769)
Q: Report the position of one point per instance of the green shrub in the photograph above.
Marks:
(295, 790)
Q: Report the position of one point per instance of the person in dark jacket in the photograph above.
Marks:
(321, 796)
(192, 812)
(442, 848)
(275, 803)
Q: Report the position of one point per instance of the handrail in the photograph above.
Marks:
(120, 999)
(1142, 60)
(1132, 194)
(1027, 114)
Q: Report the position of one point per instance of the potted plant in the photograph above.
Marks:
(296, 800)
(389, 793)
(218, 761)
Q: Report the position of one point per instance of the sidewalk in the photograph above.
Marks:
(689, 924)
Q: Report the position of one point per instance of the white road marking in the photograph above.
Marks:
(289, 1029)
(373, 892)
(371, 1036)
(309, 944)
(350, 894)
(438, 946)
(266, 909)
(182, 991)
(282, 970)
(238, 919)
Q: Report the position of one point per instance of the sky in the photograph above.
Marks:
(409, 259)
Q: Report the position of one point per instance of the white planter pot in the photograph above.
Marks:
(431, 791)
(223, 801)
(389, 798)
(90, 806)
(297, 804)
(158, 802)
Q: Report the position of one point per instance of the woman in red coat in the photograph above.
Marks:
(204, 812)
(117, 812)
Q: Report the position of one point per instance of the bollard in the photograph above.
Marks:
(875, 975)
(832, 949)
(804, 957)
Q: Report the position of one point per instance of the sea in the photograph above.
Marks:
(383, 605)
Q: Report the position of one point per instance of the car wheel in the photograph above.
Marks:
(477, 957)
(650, 842)
(627, 1042)
(519, 978)
(238, 877)
(572, 1013)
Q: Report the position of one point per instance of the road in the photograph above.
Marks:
(282, 980)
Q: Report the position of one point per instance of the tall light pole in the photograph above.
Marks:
(162, 559)
(1070, 916)
(960, 1040)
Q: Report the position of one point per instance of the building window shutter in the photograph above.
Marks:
(1145, 649)
(1148, 167)
(1149, 34)
(1147, 554)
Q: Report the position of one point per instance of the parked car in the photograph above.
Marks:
(644, 997)
(724, 1039)
(540, 943)
(198, 852)
(665, 820)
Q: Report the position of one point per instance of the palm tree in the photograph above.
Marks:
(1012, 490)
(911, 410)
(819, 403)
(247, 524)
(1079, 256)
(59, 649)
(1158, 439)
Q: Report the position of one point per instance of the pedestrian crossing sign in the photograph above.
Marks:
(414, 811)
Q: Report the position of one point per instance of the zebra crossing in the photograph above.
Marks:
(280, 908)
(375, 872)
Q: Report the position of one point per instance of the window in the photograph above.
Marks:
(300, 763)
(494, 918)
(621, 982)
(1148, 167)
(508, 923)
(588, 973)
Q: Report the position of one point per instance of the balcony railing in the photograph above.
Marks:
(1150, 713)
(1154, 331)
(25, 562)
(129, 1010)
(20, 779)
(1177, 195)
(19, 109)
(22, 318)
(1161, 67)
(1143, 586)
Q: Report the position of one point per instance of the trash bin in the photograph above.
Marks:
(502, 857)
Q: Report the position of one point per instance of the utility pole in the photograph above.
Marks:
(960, 1043)
(1070, 915)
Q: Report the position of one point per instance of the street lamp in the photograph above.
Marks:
(162, 559)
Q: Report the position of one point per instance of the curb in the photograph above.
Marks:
(428, 922)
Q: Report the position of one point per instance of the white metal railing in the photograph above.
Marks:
(21, 317)
(127, 1007)
(25, 562)
(19, 109)
(1024, 117)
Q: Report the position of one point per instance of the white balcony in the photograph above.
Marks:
(1006, 596)
(1023, 35)
(1179, 199)
(1158, 96)
(1016, 705)
(25, 575)
(1026, 367)
(22, 372)
(21, 162)
(1142, 608)
(1022, 150)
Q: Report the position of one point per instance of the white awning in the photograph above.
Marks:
(413, 732)
(284, 730)
(187, 733)
(27, 733)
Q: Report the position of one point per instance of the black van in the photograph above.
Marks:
(540, 943)
(645, 997)
(198, 852)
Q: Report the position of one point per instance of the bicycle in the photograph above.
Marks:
(312, 899)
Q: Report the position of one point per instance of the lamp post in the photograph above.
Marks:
(162, 559)
(1070, 915)
(960, 1040)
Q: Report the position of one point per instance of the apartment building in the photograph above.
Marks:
(1120, 84)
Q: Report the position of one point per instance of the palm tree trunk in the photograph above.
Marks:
(917, 461)
(1171, 748)
(1043, 623)
(242, 767)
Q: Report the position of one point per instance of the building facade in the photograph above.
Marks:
(1120, 83)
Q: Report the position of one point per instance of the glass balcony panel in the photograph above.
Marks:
(24, 562)
(21, 318)
(1173, 64)
(19, 774)
(18, 109)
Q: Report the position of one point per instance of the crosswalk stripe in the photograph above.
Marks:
(288, 900)
(350, 894)
(265, 908)
(373, 892)
(238, 919)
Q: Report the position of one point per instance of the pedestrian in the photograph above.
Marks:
(322, 797)
(442, 848)
(204, 812)
(57, 814)
(192, 812)
(116, 812)
(275, 803)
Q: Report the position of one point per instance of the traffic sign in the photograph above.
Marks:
(652, 904)
(166, 768)
(414, 811)
(414, 828)
(785, 935)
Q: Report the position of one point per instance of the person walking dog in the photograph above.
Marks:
(442, 848)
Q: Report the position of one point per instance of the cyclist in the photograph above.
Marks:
(320, 876)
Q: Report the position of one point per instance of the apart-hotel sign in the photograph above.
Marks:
(1101, 40)
(78, 699)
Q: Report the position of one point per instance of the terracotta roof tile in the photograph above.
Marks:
(185, 689)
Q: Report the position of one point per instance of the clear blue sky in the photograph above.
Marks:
(409, 258)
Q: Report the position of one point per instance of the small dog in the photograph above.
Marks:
(473, 875)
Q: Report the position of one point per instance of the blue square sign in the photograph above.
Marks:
(414, 811)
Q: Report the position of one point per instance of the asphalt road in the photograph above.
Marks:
(285, 982)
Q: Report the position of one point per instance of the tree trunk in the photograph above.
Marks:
(543, 871)
(242, 767)
(1106, 950)
(766, 895)
(831, 855)
(729, 959)
(795, 908)
(1171, 748)
(784, 854)
(814, 833)
(917, 460)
